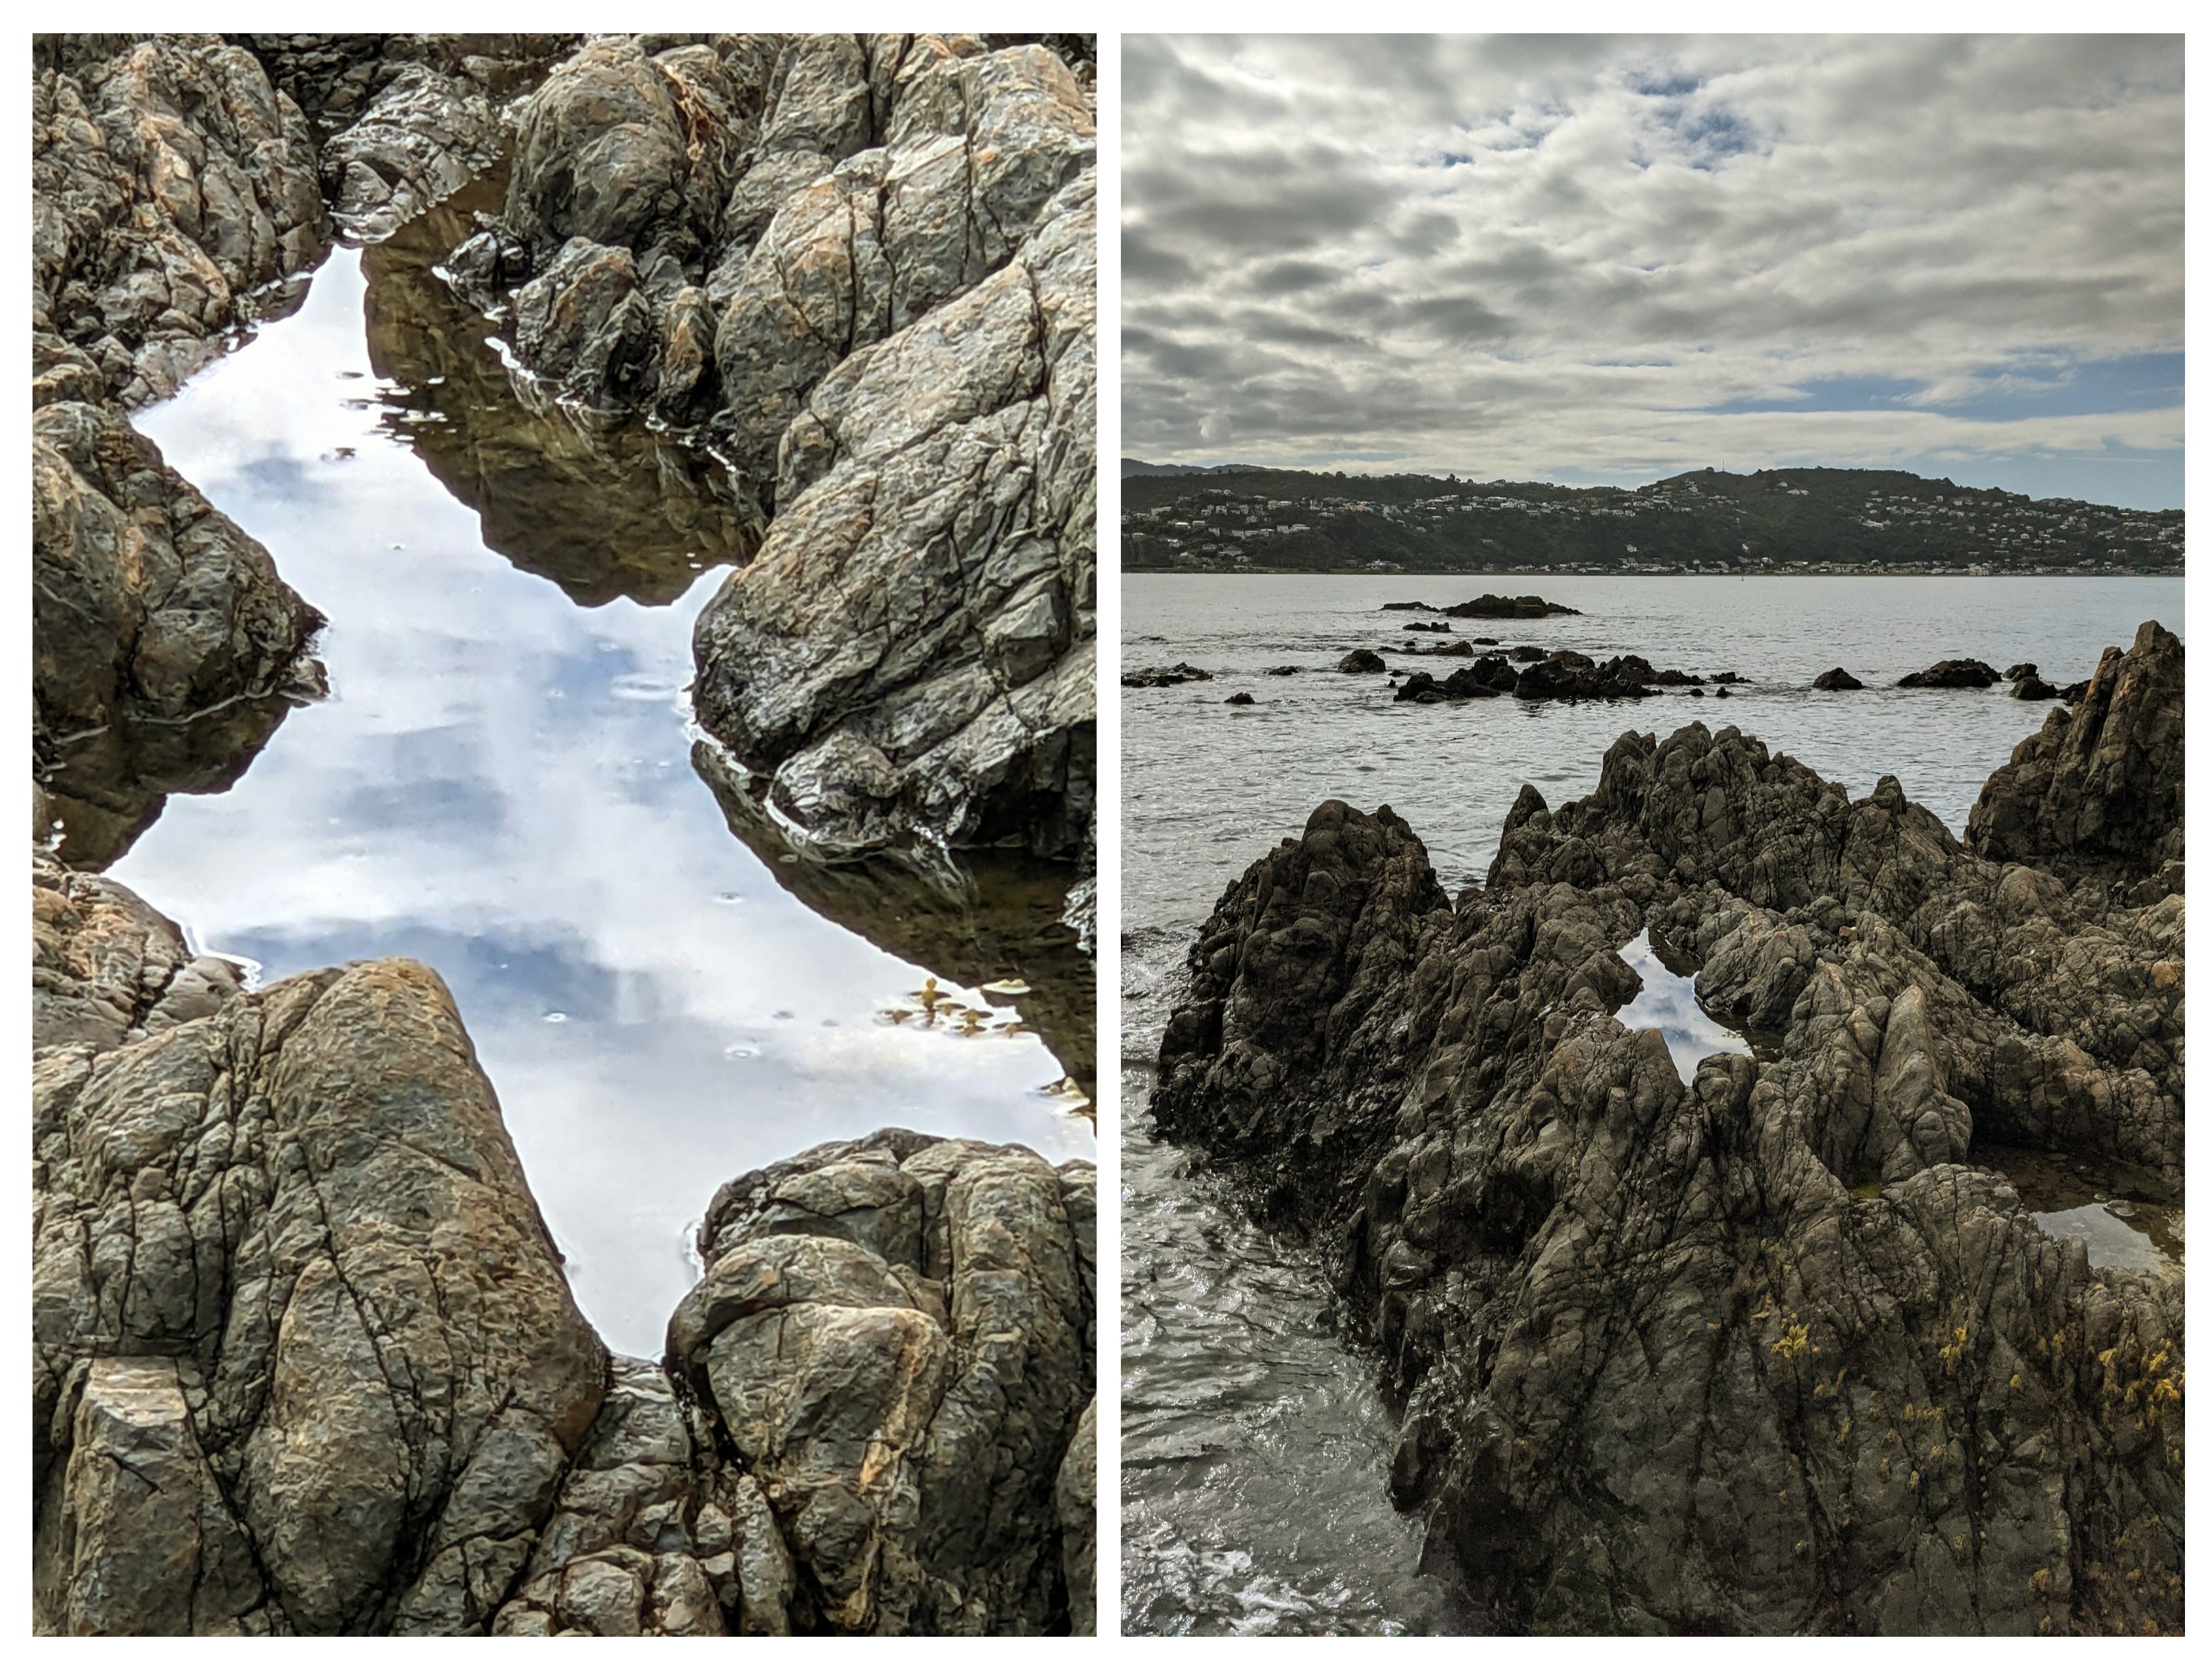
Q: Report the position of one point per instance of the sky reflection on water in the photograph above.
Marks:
(499, 785)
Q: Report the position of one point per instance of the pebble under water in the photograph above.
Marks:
(501, 785)
(1255, 1491)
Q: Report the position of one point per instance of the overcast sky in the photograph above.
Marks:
(1605, 260)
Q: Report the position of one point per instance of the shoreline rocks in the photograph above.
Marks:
(1774, 1350)
(1838, 679)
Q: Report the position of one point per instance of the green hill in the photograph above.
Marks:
(1800, 518)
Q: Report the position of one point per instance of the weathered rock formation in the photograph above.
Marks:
(171, 188)
(1838, 680)
(174, 201)
(863, 269)
(164, 646)
(1778, 1350)
(2098, 791)
(1361, 661)
(603, 508)
(305, 1361)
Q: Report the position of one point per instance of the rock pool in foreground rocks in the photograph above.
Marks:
(501, 786)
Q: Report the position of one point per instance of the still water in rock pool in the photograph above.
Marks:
(1255, 1495)
(501, 785)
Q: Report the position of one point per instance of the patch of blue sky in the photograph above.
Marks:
(2108, 385)
(2031, 387)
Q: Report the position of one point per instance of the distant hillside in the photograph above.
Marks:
(1131, 468)
(1263, 519)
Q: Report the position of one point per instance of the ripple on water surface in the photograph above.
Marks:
(501, 785)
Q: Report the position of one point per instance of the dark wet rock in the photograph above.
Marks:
(305, 1361)
(2076, 692)
(1574, 675)
(974, 919)
(1177, 675)
(1447, 648)
(1770, 1351)
(1528, 654)
(2098, 789)
(2020, 671)
(1721, 692)
(172, 187)
(2032, 689)
(1499, 605)
(1075, 1500)
(1487, 678)
(1240, 698)
(604, 510)
(1279, 669)
(335, 78)
(1728, 677)
(1429, 628)
(1838, 680)
(1953, 673)
(1482, 640)
(164, 645)
(1361, 661)
(1407, 605)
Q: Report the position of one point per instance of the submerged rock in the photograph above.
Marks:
(305, 1359)
(1952, 673)
(1772, 1350)
(1240, 698)
(1838, 680)
(1362, 661)
(975, 919)
(1497, 605)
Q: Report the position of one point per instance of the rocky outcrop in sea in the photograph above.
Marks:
(1777, 1348)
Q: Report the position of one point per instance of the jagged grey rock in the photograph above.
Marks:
(305, 1361)
(1774, 1350)
(2099, 788)
(170, 186)
(163, 642)
(426, 137)
(865, 267)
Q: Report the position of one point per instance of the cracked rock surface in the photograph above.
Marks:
(305, 1359)
(1775, 1349)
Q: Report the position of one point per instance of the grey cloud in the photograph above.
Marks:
(1454, 249)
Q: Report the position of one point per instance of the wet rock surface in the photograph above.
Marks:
(977, 919)
(1838, 680)
(1772, 1350)
(305, 1361)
